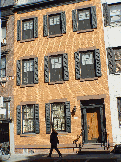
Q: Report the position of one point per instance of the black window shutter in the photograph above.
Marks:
(47, 116)
(18, 77)
(77, 65)
(46, 69)
(68, 117)
(74, 20)
(63, 21)
(93, 17)
(111, 61)
(36, 70)
(35, 27)
(37, 130)
(18, 119)
(106, 14)
(45, 28)
(97, 63)
(65, 66)
(18, 30)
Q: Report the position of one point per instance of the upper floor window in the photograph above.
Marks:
(112, 14)
(84, 19)
(115, 14)
(54, 24)
(3, 33)
(27, 29)
(3, 67)
(56, 68)
(87, 64)
(29, 72)
(114, 59)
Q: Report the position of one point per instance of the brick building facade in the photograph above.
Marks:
(61, 74)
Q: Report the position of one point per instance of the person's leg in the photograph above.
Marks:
(58, 151)
(51, 150)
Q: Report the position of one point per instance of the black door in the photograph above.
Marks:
(4, 132)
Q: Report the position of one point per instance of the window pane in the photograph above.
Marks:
(3, 62)
(117, 53)
(84, 15)
(118, 66)
(25, 67)
(115, 10)
(87, 58)
(8, 109)
(31, 65)
(3, 73)
(4, 32)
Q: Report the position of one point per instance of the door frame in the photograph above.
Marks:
(84, 121)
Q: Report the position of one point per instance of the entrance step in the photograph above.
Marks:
(93, 148)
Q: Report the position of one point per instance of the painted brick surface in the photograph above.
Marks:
(42, 92)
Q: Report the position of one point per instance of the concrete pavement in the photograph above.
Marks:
(65, 158)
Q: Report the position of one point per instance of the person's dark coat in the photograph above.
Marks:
(54, 139)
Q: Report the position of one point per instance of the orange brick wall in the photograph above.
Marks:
(42, 92)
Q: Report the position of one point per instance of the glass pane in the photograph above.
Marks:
(25, 25)
(31, 24)
(3, 73)
(83, 15)
(115, 10)
(117, 54)
(31, 65)
(87, 58)
(28, 66)
(51, 21)
(58, 20)
(8, 109)
(4, 32)
(28, 25)
(118, 66)
(3, 62)
(115, 18)
(25, 67)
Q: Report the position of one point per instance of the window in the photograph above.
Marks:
(29, 28)
(28, 71)
(84, 19)
(117, 54)
(115, 14)
(3, 33)
(87, 64)
(3, 67)
(56, 68)
(54, 24)
(119, 110)
(58, 116)
(28, 122)
(28, 118)
(114, 60)
(112, 14)
(5, 111)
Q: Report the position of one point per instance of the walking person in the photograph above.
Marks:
(54, 140)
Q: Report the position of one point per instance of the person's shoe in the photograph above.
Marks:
(60, 155)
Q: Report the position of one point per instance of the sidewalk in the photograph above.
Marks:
(65, 158)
